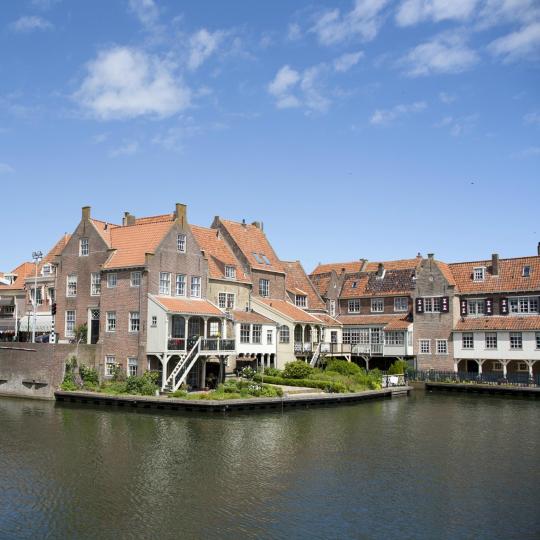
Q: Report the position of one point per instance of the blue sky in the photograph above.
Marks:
(373, 128)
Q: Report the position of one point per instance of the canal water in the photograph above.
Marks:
(427, 466)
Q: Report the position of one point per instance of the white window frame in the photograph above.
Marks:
(353, 306)
(394, 338)
(95, 284)
(284, 334)
(245, 333)
(46, 270)
(466, 338)
(377, 303)
(526, 271)
(491, 341)
(70, 322)
(226, 300)
(479, 273)
(424, 346)
(517, 339)
(433, 304)
(264, 287)
(153, 322)
(195, 290)
(110, 364)
(300, 300)
(134, 322)
(110, 322)
(181, 241)
(401, 304)
(523, 305)
(112, 280)
(537, 337)
(84, 247)
(442, 346)
(135, 279)
(165, 283)
(180, 285)
(332, 308)
(256, 334)
(269, 337)
(230, 272)
(132, 362)
(71, 280)
(476, 307)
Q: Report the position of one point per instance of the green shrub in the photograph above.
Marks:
(178, 394)
(68, 385)
(343, 367)
(328, 386)
(272, 372)
(114, 387)
(398, 367)
(118, 373)
(88, 375)
(297, 370)
(145, 385)
(248, 373)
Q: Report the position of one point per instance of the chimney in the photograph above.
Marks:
(128, 219)
(243, 222)
(257, 224)
(495, 264)
(380, 270)
(430, 256)
(86, 213)
(181, 213)
(538, 249)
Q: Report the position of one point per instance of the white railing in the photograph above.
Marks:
(316, 355)
(181, 370)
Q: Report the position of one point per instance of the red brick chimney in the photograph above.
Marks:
(495, 264)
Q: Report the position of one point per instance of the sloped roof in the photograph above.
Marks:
(321, 282)
(104, 229)
(390, 322)
(132, 242)
(446, 272)
(218, 253)
(56, 250)
(399, 264)
(297, 282)
(506, 322)
(327, 319)
(291, 311)
(510, 277)
(393, 282)
(154, 219)
(250, 239)
(22, 271)
(251, 317)
(189, 307)
(347, 267)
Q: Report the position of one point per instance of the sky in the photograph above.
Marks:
(352, 129)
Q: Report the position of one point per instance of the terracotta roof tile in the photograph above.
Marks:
(104, 229)
(327, 319)
(297, 282)
(218, 254)
(394, 282)
(510, 276)
(291, 311)
(251, 317)
(393, 321)
(507, 322)
(446, 272)
(321, 282)
(399, 264)
(22, 271)
(347, 267)
(154, 219)
(250, 239)
(56, 250)
(181, 305)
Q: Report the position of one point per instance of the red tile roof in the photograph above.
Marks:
(297, 282)
(507, 322)
(510, 277)
(399, 264)
(218, 253)
(154, 219)
(250, 239)
(391, 322)
(104, 229)
(327, 319)
(22, 271)
(393, 282)
(190, 307)
(251, 317)
(291, 311)
(347, 267)
(321, 282)
(56, 250)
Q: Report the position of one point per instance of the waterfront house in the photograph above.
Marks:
(13, 302)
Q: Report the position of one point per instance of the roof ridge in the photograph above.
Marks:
(500, 260)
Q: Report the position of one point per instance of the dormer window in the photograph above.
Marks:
(46, 270)
(301, 300)
(479, 273)
(526, 271)
(265, 259)
(181, 243)
(354, 284)
(230, 272)
(84, 248)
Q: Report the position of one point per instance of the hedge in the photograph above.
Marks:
(329, 386)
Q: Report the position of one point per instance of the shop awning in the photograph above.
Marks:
(43, 323)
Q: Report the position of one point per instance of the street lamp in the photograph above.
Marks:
(37, 256)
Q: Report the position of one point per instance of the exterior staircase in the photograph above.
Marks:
(316, 356)
(182, 369)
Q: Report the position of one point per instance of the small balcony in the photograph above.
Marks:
(210, 345)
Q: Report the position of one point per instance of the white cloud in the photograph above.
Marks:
(286, 78)
(202, 44)
(414, 11)
(124, 83)
(363, 21)
(6, 169)
(146, 11)
(446, 98)
(129, 148)
(347, 61)
(532, 118)
(31, 23)
(496, 12)
(387, 116)
(294, 32)
(532, 151)
(521, 44)
(458, 126)
(446, 53)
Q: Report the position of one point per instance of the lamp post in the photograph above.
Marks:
(37, 256)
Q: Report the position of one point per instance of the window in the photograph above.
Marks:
(265, 259)
(95, 284)
(425, 346)
(111, 321)
(84, 249)
(70, 323)
(300, 300)
(524, 304)
(401, 303)
(181, 243)
(36, 296)
(516, 340)
(111, 280)
(333, 308)
(257, 333)
(496, 366)
(467, 340)
(264, 287)
(377, 305)
(476, 307)
(180, 285)
(432, 305)
(132, 367)
(135, 279)
(491, 340)
(244, 333)
(526, 271)
(196, 286)
(522, 366)
(165, 283)
(442, 346)
(538, 340)
(257, 257)
(230, 272)
(284, 334)
(269, 337)
(71, 286)
(393, 337)
(154, 321)
(226, 300)
(354, 284)
(479, 273)
(51, 292)
(46, 270)
(355, 336)
(353, 306)
(110, 365)
(134, 321)
(214, 328)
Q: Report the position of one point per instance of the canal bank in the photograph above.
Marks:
(532, 392)
(230, 405)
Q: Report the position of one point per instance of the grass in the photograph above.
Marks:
(232, 390)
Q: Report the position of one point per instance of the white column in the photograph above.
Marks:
(455, 366)
(164, 359)
(303, 331)
(186, 329)
(205, 328)
(530, 363)
(504, 363)
(479, 362)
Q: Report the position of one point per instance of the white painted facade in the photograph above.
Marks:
(264, 347)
